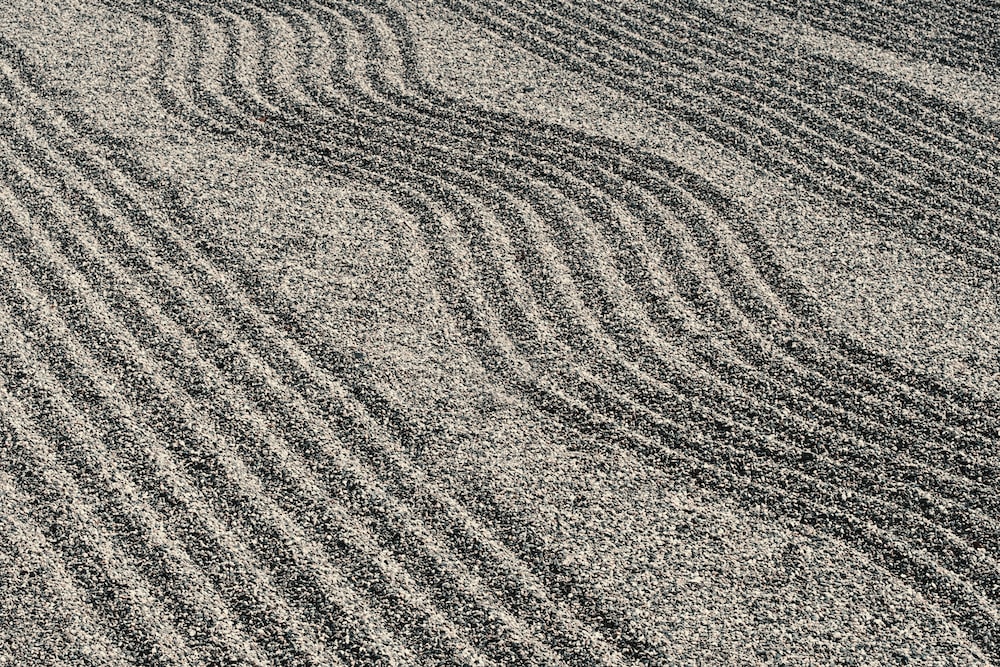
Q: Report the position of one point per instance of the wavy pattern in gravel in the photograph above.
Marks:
(214, 471)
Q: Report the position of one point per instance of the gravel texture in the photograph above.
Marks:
(574, 332)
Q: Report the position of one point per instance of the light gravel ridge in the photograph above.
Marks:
(571, 332)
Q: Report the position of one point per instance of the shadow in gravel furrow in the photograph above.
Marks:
(782, 372)
(391, 532)
(741, 131)
(819, 85)
(746, 301)
(762, 250)
(965, 35)
(794, 296)
(168, 349)
(714, 41)
(747, 83)
(147, 392)
(573, 416)
(806, 143)
(137, 333)
(23, 540)
(374, 404)
(737, 483)
(279, 483)
(721, 46)
(648, 386)
(202, 546)
(117, 423)
(547, 403)
(267, 459)
(908, 513)
(161, 569)
(123, 595)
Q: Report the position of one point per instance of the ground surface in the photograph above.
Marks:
(458, 332)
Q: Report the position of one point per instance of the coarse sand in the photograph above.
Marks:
(580, 332)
